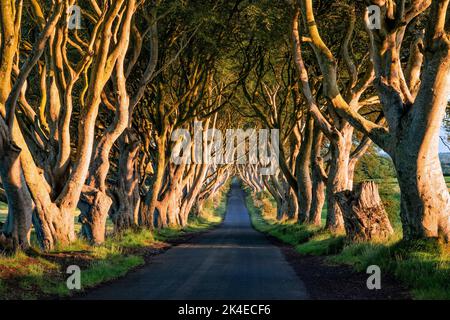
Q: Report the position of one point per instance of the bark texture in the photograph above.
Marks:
(124, 213)
(365, 218)
(17, 229)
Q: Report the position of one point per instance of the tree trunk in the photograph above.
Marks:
(147, 214)
(337, 182)
(94, 201)
(173, 209)
(58, 226)
(278, 195)
(161, 214)
(365, 218)
(283, 207)
(318, 184)
(197, 209)
(292, 204)
(425, 201)
(127, 198)
(190, 198)
(170, 203)
(16, 231)
(94, 205)
(303, 168)
(99, 205)
(338, 177)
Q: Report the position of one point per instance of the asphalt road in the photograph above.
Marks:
(231, 262)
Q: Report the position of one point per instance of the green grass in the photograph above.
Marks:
(27, 277)
(110, 268)
(41, 275)
(307, 239)
(322, 243)
(212, 214)
(21, 276)
(423, 266)
(263, 220)
(131, 239)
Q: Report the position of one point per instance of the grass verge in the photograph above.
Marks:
(422, 266)
(263, 220)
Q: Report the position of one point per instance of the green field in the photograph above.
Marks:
(3, 211)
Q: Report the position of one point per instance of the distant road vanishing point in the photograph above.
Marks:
(230, 262)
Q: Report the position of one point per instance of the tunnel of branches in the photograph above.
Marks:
(97, 95)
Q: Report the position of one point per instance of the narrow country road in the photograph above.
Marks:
(231, 262)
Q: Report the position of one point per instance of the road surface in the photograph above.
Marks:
(231, 262)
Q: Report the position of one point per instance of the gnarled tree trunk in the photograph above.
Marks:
(190, 198)
(425, 200)
(16, 231)
(414, 114)
(124, 213)
(147, 212)
(94, 205)
(365, 218)
(303, 169)
(338, 177)
(318, 184)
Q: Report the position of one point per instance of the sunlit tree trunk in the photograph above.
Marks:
(124, 213)
(147, 214)
(97, 201)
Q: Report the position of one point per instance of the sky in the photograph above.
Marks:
(442, 147)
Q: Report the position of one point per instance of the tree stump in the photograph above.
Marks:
(365, 217)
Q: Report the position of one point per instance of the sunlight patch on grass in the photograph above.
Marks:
(111, 267)
(131, 239)
(322, 243)
(26, 275)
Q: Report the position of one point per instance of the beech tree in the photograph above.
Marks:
(340, 133)
(96, 202)
(199, 98)
(301, 163)
(413, 96)
(53, 181)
